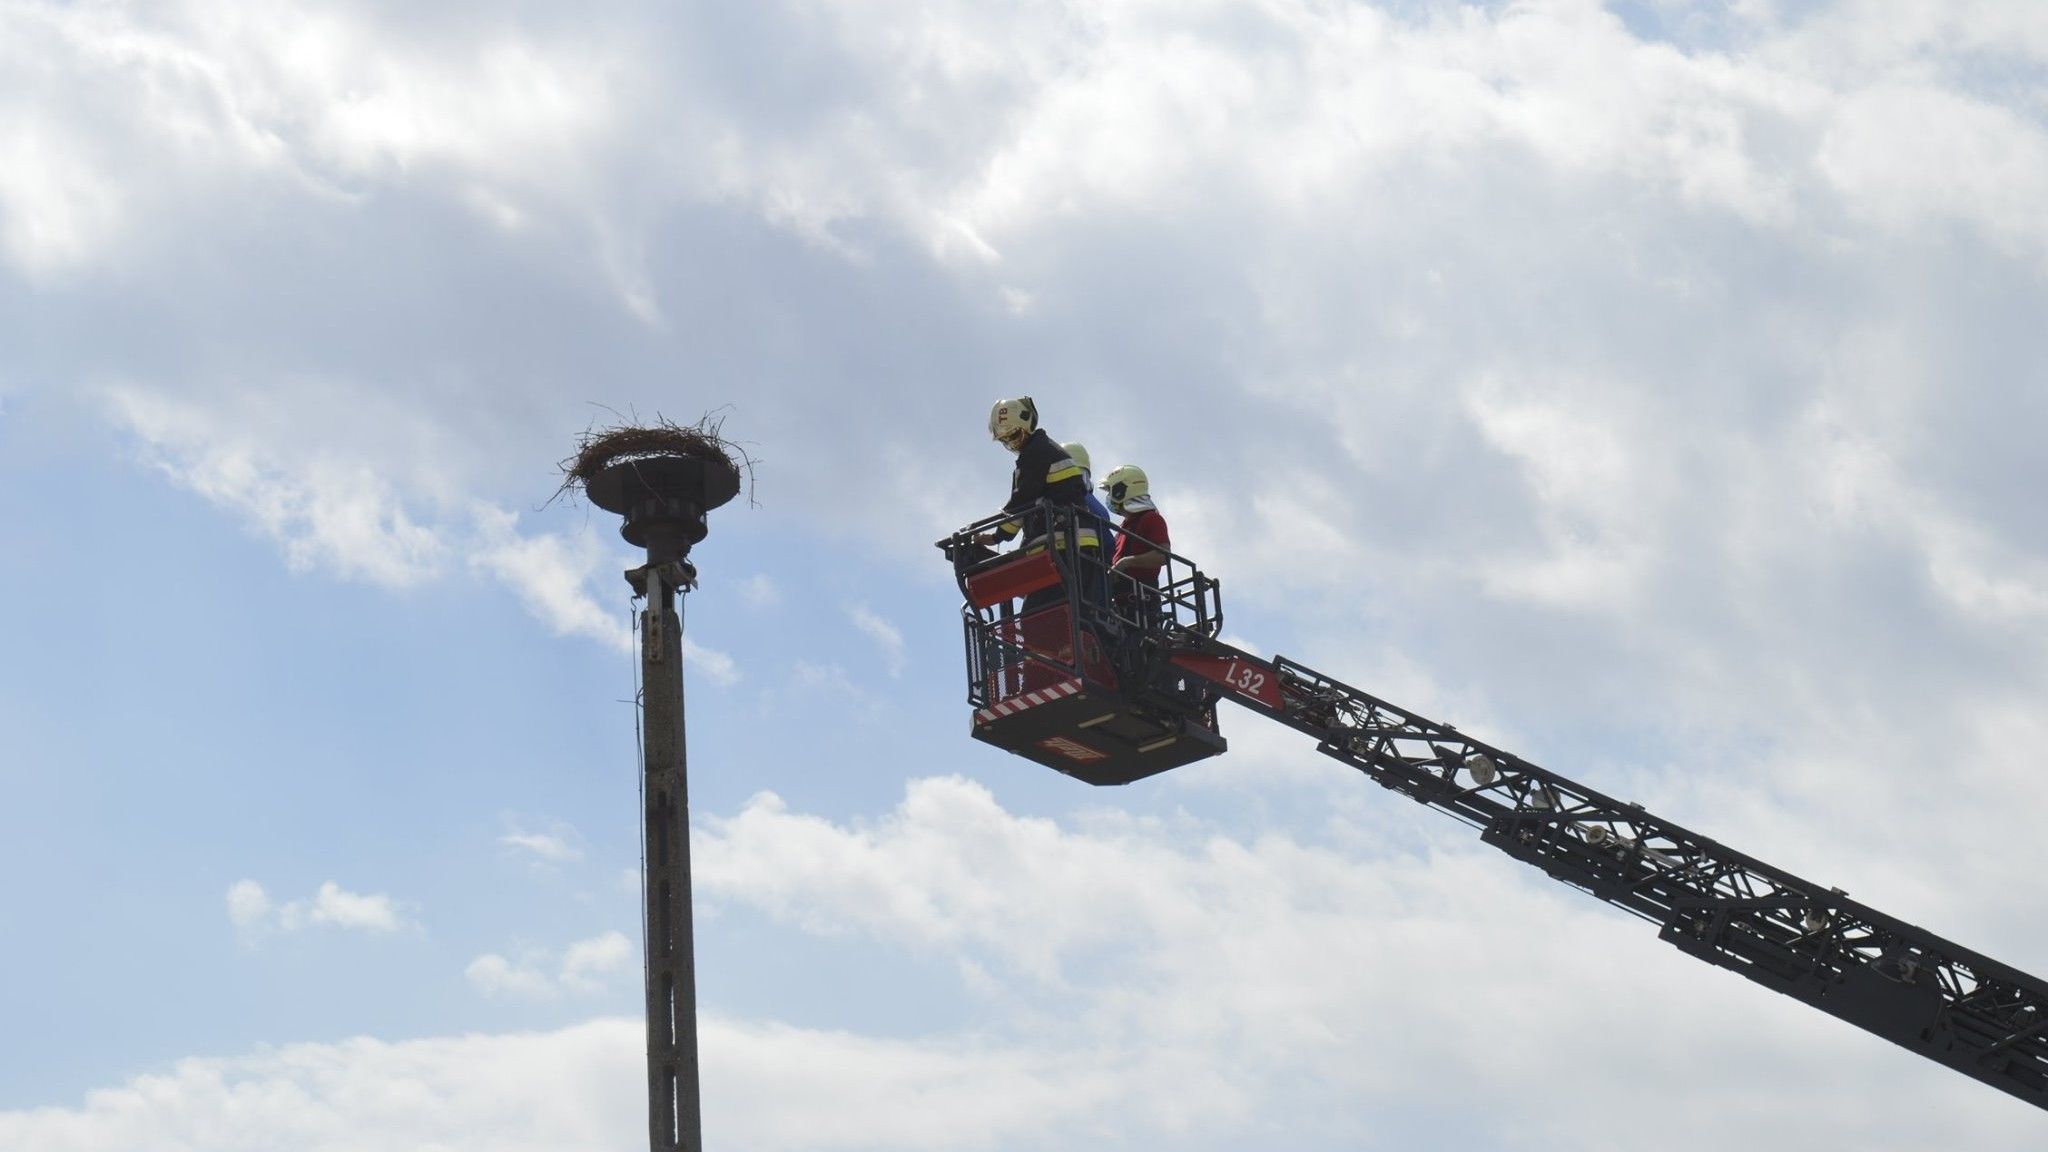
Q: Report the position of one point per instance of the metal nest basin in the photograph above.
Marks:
(652, 491)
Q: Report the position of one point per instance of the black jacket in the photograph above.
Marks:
(1045, 471)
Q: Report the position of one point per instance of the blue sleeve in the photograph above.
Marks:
(1095, 506)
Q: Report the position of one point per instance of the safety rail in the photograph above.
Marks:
(1012, 646)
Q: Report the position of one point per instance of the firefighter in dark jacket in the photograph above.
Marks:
(1044, 472)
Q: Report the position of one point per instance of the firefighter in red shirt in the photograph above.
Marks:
(1142, 541)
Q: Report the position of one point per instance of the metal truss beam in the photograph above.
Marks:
(1927, 994)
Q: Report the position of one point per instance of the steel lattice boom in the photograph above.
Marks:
(1898, 980)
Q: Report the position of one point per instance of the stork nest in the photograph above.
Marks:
(598, 448)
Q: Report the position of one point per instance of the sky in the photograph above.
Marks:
(1652, 388)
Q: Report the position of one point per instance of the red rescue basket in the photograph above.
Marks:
(1060, 666)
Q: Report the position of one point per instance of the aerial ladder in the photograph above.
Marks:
(1109, 680)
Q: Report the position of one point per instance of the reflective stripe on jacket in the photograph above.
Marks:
(1086, 536)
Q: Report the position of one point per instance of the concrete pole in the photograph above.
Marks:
(675, 1119)
(663, 501)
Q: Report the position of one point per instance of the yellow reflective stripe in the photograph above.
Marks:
(1064, 470)
(1037, 543)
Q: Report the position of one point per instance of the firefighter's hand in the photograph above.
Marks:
(988, 539)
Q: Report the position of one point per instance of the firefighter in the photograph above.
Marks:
(1079, 455)
(1142, 541)
(1044, 471)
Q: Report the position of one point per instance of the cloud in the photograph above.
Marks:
(883, 633)
(248, 904)
(1353, 981)
(252, 911)
(1330, 992)
(557, 846)
(1651, 391)
(761, 591)
(552, 575)
(346, 521)
(494, 975)
(1389, 135)
(337, 907)
(718, 667)
(573, 1089)
(588, 964)
(768, 1087)
(315, 97)
(59, 209)
(333, 515)
(585, 967)
(835, 681)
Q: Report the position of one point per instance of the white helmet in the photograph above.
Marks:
(1010, 422)
(1125, 483)
(1078, 455)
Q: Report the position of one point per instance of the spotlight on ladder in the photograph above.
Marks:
(1484, 771)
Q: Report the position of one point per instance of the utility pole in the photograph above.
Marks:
(664, 499)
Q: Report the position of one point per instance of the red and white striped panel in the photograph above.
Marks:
(1016, 704)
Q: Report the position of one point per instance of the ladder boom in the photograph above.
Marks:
(1897, 980)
